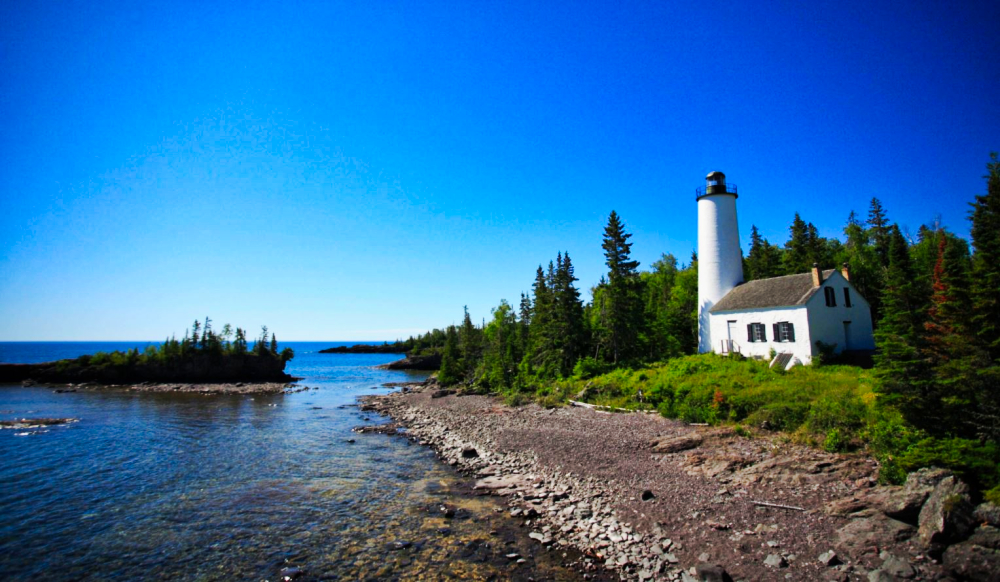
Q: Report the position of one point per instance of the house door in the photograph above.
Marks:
(731, 338)
(847, 335)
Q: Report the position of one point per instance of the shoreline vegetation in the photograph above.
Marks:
(202, 356)
(930, 397)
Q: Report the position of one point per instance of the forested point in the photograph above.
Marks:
(932, 398)
(202, 355)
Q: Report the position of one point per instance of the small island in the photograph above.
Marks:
(202, 356)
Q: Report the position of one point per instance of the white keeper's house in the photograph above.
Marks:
(793, 315)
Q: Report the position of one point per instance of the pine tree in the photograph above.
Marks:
(450, 365)
(764, 260)
(470, 340)
(985, 218)
(900, 367)
(570, 342)
(274, 345)
(624, 317)
(798, 249)
(879, 230)
(866, 270)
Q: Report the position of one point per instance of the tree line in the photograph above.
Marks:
(199, 340)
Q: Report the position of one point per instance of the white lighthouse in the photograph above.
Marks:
(720, 262)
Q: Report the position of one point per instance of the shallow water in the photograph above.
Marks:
(166, 486)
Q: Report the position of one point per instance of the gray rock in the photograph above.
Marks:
(776, 561)
(978, 558)
(829, 558)
(947, 515)
(676, 444)
(987, 513)
(711, 573)
(880, 576)
(865, 535)
(670, 558)
(898, 567)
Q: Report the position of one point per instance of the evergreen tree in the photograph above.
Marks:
(879, 230)
(274, 345)
(195, 335)
(500, 349)
(524, 323)
(985, 289)
(683, 308)
(568, 333)
(985, 218)
(471, 343)
(899, 365)
(866, 270)
(624, 307)
(658, 286)
(764, 260)
(450, 372)
(798, 249)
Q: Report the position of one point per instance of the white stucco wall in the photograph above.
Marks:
(797, 316)
(720, 261)
(826, 324)
(813, 322)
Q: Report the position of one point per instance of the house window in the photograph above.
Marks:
(756, 332)
(847, 297)
(831, 296)
(784, 331)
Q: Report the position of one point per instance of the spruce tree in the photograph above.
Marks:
(570, 342)
(470, 340)
(985, 218)
(902, 373)
(450, 371)
(764, 260)
(624, 318)
(798, 249)
(879, 230)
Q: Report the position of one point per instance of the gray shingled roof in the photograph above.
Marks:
(774, 292)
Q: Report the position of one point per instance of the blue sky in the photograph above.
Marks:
(361, 171)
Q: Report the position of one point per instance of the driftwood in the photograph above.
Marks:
(597, 407)
(779, 506)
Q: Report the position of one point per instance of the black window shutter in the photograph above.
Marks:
(777, 336)
(791, 332)
(763, 332)
(749, 332)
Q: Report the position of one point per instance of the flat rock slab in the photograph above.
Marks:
(502, 485)
(677, 444)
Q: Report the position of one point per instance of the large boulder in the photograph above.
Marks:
(904, 503)
(978, 558)
(947, 516)
(862, 536)
(987, 513)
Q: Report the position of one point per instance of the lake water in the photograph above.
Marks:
(195, 487)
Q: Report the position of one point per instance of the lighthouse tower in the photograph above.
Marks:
(720, 262)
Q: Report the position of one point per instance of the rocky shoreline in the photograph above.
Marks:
(656, 499)
(157, 387)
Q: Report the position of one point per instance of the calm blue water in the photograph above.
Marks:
(195, 487)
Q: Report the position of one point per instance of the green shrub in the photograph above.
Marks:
(974, 462)
(587, 368)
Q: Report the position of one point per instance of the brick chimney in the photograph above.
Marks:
(845, 271)
(817, 275)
